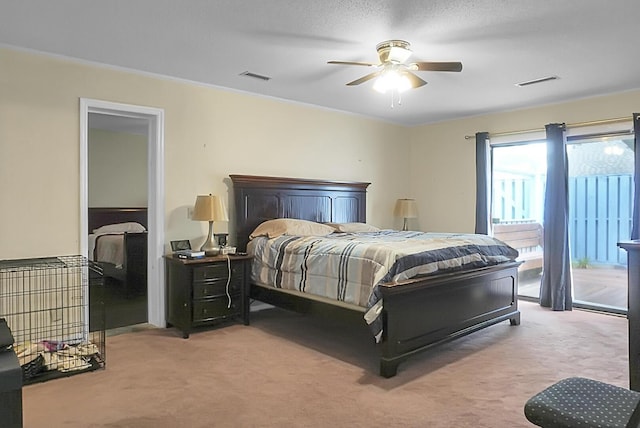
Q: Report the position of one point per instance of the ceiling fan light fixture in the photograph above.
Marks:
(392, 80)
(399, 55)
(394, 73)
(394, 51)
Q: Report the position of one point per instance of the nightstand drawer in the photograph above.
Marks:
(214, 288)
(216, 271)
(210, 272)
(206, 310)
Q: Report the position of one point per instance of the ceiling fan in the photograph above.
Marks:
(394, 71)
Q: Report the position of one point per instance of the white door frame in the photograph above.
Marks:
(155, 179)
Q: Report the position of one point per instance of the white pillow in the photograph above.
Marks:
(120, 228)
(353, 227)
(291, 226)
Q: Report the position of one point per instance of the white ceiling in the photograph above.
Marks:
(589, 44)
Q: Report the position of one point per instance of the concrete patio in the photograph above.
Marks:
(597, 285)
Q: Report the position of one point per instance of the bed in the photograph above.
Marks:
(118, 242)
(417, 315)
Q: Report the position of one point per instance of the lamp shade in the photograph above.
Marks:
(209, 208)
(406, 208)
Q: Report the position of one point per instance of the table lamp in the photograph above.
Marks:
(406, 208)
(210, 208)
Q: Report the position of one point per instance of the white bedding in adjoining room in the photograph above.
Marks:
(106, 243)
(107, 248)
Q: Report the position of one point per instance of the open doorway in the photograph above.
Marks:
(153, 120)
(118, 214)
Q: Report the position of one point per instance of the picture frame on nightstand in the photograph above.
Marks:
(180, 245)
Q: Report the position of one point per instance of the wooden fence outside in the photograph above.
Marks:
(600, 213)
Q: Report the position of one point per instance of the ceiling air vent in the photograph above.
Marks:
(534, 81)
(255, 76)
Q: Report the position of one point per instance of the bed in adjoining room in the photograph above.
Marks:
(118, 242)
(412, 296)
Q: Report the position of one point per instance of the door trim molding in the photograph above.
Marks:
(155, 179)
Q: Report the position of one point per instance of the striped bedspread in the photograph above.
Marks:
(350, 267)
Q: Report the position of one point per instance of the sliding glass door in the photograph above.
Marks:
(517, 204)
(600, 213)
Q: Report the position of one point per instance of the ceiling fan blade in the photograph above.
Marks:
(351, 63)
(416, 82)
(364, 79)
(436, 66)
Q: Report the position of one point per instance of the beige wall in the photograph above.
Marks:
(209, 134)
(443, 162)
(117, 169)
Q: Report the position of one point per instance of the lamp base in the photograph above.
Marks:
(212, 252)
(210, 247)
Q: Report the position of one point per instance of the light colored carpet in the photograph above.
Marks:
(286, 370)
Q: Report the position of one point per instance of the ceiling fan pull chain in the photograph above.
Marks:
(393, 98)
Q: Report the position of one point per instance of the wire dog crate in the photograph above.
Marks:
(46, 304)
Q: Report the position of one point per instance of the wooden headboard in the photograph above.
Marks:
(102, 216)
(259, 198)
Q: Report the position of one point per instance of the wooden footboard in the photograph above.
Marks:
(135, 262)
(421, 315)
(133, 272)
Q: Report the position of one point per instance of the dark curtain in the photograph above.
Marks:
(482, 200)
(635, 227)
(555, 287)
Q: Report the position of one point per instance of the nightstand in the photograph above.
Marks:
(201, 293)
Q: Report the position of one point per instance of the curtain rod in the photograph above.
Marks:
(569, 125)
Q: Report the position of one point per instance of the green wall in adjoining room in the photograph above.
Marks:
(118, 169)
